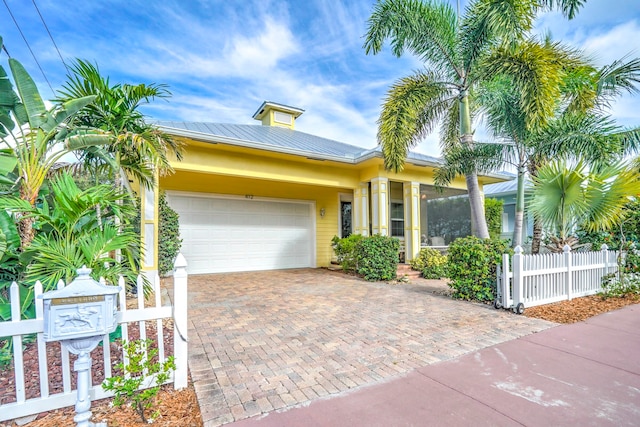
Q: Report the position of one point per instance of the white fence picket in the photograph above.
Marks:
(159, 328)
(64, 356)
(18, 360)
(43, 367)
(546, 278)
(16, 328)
(180, 350)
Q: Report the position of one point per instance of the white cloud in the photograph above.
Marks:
(614, 44)
(627, 110)
(259, 54)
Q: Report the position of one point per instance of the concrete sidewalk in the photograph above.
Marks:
(582, 374)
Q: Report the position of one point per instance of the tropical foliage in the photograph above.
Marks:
(493, 211)
(566, 197)
(71, 234)
(459, 54)
(578, 127)
(36, 138)
(345, 250)
(431, 263)
(139, 148)
(472, 267)
(169, 241)
(377, 257)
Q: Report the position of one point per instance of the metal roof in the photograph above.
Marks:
(506, 187)
(276, 137)
(284, 140)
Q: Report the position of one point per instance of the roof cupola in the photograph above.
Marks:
(274, 114)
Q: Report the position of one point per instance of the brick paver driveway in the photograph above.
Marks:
(268, 340)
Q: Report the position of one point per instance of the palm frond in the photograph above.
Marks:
(617, 78)
(569, 8)
(410, 111)
(138, 147)
(427, 29)
(610, 186)
(579, 93)
(630, 141)
(589, 136)
(558, 198)
(464, 160)
(487, 23)
(537, 71)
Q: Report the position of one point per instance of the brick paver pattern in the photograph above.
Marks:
(265, 341)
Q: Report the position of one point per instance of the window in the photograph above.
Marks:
(345, 219)
(397, 219)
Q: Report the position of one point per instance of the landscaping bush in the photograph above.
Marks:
(169, 241)
(472, 267)
(345, 250)
(377, 257)
(431, 263)
(614, 286)
(493, 214)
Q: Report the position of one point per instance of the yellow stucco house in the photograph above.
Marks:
(261, 197)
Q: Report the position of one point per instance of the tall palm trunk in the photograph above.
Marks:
(25, 229)
(476, 203)
(25, 223)
(519, 219)
(537, 236)
(537, 224)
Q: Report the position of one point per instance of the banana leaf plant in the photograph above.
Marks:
(35, 137)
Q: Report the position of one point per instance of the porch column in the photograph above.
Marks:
(149, 229)
(411, 192)
(380, 206)
(361, 209)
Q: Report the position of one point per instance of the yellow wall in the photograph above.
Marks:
(210, 159)
(232, 170)
(327, 198)
(411, 173)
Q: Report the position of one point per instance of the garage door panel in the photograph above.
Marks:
(221, 234)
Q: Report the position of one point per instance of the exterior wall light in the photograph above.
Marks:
(322, 212)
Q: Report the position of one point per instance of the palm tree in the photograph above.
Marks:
(455, 54)
(72, 234)
(566, 197)
(139, 148)
(579, 127)
(36, 137)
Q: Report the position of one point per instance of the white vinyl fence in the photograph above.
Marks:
(546, 278)
(16, 328)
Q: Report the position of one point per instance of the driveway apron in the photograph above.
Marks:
(265, 341)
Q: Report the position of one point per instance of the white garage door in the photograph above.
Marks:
(228, 234)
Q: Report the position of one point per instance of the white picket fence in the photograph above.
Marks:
(545, 278)
(17, 328)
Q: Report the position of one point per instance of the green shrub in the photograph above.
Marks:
(493, 213)
(431, 263)
(377, 257)
(472, 267)
(345, 250)
(169, 241)
(143, 367)
(614, 286)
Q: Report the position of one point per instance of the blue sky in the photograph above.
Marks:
(222, 58)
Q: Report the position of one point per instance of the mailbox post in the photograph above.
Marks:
(79, 315)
